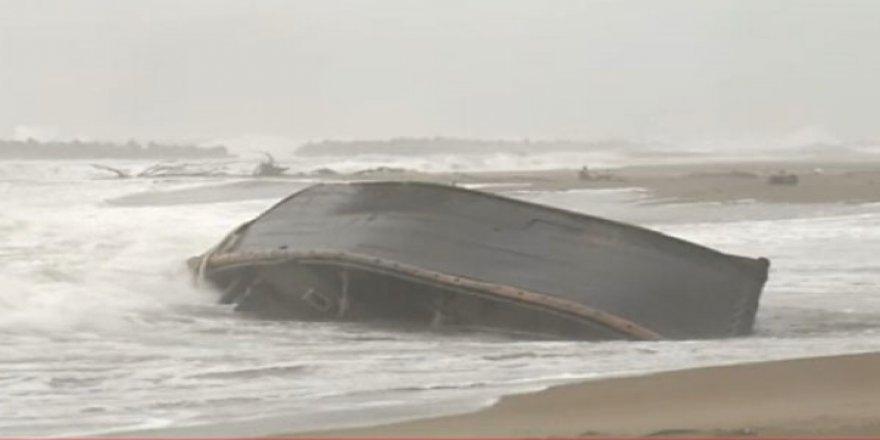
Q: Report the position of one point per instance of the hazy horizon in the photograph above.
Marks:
(309, 70)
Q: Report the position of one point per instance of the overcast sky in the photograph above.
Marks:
(191, 69)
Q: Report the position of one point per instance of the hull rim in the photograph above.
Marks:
(223, 261)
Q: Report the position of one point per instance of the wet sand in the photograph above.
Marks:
(831, 396)
(835, 396)
(818, 182)
(828, 396)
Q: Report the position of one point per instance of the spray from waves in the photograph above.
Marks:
(71, 263)
(464, 155)
(91, 304)
(51, 301)
(469, 155)
(439, 163)
(808, 142)
(456, 162)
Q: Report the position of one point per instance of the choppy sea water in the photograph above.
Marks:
(102, 333)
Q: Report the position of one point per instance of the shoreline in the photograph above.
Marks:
(827, 396)
(723, 182)
(821, 396)
(818, 396)
(818, 181)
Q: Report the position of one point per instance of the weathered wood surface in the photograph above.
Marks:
(674, 288)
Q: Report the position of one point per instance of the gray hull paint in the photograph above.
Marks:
(637, 282)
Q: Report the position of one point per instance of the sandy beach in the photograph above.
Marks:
(848, 181)
(827, 396)
(723, 182)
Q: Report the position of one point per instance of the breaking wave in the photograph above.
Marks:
(463, 155)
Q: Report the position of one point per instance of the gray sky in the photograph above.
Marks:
(485, 68)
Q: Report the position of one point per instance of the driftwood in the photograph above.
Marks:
(783, 178)
(167, 170)
(119, 173)
(268, 167)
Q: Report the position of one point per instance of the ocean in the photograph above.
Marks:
(102, 332)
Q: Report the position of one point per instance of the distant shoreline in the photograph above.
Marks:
(410, 146)
(727, 182)
(73, 150)
(818, 181)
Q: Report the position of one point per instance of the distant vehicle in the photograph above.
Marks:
(438, 256)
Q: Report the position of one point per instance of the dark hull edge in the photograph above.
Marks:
(209, 269)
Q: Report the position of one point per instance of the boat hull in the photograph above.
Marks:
(469, 259)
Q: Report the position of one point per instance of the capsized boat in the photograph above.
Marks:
(438, 256)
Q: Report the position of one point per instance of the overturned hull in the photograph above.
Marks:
(438, 256)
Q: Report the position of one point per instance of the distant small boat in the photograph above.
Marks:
(438, 256)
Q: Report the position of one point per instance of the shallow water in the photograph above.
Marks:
(102, 332)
